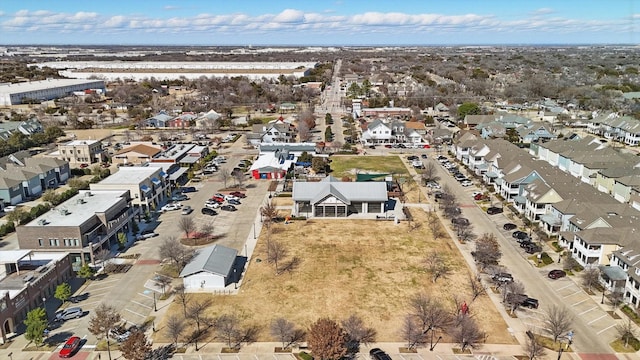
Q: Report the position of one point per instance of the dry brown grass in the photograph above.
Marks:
(349, 267)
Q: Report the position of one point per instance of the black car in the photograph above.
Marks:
(532, 248)
(188, 189)
(494, 210)
(233, 202)
(378, 354)
(530, 303)
(424, 156)
(460, 221)
(509, 226)
(207, 211)
(228, 208)
(520, 235)
(412, 157)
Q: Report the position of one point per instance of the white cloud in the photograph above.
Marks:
(297, 22)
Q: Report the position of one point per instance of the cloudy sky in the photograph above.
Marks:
(311, 22)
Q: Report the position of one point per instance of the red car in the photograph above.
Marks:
(70, 347)
(218, 199)
(427, 146)
(238, 194)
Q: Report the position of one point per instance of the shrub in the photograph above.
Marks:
(305, 356)
(7, 228)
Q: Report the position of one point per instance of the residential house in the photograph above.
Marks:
(377, 132)
(208, 121)
(331, 198)
(277, 131)
(28, 127)
(182, 121)
(160, 120)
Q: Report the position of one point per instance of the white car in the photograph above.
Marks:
(231, 197)
(171, 207)
(147, 234)
(448, 165)
(433, 185)
(212, 205)
(466, 183)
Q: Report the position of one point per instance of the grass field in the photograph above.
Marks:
(364, 267)
(350, 165)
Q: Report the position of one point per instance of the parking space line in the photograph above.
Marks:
(141, 304)
(135, 313)
(586, 311)
(90, 303)
(580, 302)
(145, 296)
(605, 329)
(577, 292)
(564, 287)
(594, 320)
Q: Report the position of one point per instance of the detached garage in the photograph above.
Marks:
(211, 269)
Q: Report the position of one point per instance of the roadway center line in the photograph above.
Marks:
(605, 329)
(580, 302)
(141, 304)
(594, 320)
(586, 311)
(577, 292)
(135, 313)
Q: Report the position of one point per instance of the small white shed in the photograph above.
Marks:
(210, 269)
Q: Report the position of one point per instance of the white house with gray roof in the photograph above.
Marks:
(331, 198)
(213, 268)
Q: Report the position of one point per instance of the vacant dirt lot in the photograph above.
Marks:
(363, 267)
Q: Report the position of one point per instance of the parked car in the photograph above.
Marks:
(459, 176)
(519, 234)
(424, 156)
(188, 189)
(234, 202)
(238, 194)
(530, 303)
(210, 204)
(412, 157)
(494, 210)
(479, 197)
(460, 221)
(217, 199)
(532, 248)
(69, 313)
(466, 183)
(433, 185)
(171, 207)
(426, 146)
(207, 211)
(70, 347)
(179, 197)
(388, 146)
(146, 234)
(228, 208)
(502, 278)
(119, 334)
(442, 158)
(187, 210)
(448, 165)
(378, 354)
(509, 226)
(557, 274)
(230, 197)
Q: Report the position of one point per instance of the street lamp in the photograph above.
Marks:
(108, 345)
(155, 306)
(603, 291)
(235, 279)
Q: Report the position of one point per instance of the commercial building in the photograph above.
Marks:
(148, 186)
(80, 152)
(43, 90)
(81, 226)
(27, 279)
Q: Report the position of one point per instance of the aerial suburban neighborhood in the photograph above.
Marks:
(329, 203)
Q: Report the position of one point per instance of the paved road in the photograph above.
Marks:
(593, 330)
(332, 103)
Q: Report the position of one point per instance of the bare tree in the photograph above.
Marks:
(476, 285)
(558, 320)
(206, 229)
(238, 176)
(304, 132)
(276, 252)
(412, 332)
(187, 225)
(196, 311)
(437, 265)
(616, 297)
(163, 282)
(431, 314)
(513, 295)
(102, 255)
(286, 332)
(224, 175)
(533, 347)
(569, 263)
(626, 331)
(172, 249)
(357, 333)
(175, 328)
(590, 276)
(487, 250)
(268, 213)
(228, 329)
(181, 296)
(136, 347)
(327, 340)
(429, 173)
(465, 231)
(433, 222)
(467, 333)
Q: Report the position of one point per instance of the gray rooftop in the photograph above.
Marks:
(216, 259)
(46, 84)
(344, 190)
(131, 175)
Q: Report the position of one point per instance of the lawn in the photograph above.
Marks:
(350, 165)
(364, 267)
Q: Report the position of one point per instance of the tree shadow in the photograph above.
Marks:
(58, 338)
(291, 265)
